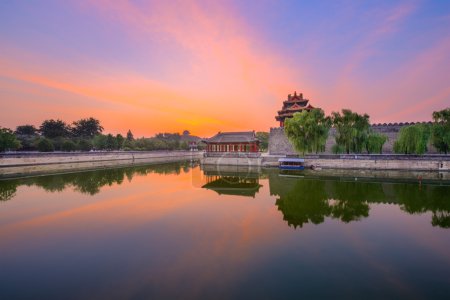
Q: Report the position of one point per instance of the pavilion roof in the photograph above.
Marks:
(233, 137)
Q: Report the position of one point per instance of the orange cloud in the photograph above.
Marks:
(220, 90)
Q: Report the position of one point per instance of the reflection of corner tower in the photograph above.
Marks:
(293, 104)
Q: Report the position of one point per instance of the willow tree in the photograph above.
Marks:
(440, 132)
(375, 142)
(412, 139)
(352, 130)
(308, 131)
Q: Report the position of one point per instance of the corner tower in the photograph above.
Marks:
(294, 103)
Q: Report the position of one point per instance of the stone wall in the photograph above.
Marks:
(380, 164)
(280, 145)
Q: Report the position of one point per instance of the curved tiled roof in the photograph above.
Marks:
(233, 137)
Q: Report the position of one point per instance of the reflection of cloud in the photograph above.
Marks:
(163, 232)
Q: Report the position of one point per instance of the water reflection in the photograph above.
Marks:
(92, 181)
(180, 235)
(232, 180)
(304, 200)
(301, 200)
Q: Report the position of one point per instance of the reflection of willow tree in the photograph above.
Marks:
(87, 182)
(306, 202)
(311, 201)
(351, 199)
(420, 199)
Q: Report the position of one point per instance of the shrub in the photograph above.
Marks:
(68, 146)
(8, 140)
(84, 145)
(45, 145)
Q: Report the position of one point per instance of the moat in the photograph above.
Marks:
(178, 231)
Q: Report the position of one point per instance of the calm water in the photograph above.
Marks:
(175, 231)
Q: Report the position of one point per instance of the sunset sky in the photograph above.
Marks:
(208, 66)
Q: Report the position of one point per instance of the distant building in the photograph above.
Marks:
(193, 145)
(245, 141)
(191, 140)
(293, 104)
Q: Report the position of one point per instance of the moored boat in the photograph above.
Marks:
(291, 163)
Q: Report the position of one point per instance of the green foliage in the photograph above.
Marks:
(87, 128)
(68, 146)
(28, 142)
(442, 116)
(58, 142)
(85, 135)
(337, 149)
(308, 131)
(352, 130)
(25, 130)
(54, 128)
(184, 145)
(84, 145)
(412, 139)
(263, 138)
(105, 142)
(45, 145)
(440, 131)
(375, 142)
(8, 189)
(120, 139)
(440, 137)
(111, 142)
(127, 145)
(27, 135)
(8, 140)
(99, 142)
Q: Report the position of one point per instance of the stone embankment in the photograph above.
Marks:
(232, 159)
(13, 164)
(429, 162)
(371, 162)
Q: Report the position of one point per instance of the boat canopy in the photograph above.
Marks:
(293, 160)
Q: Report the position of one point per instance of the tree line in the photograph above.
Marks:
(308, 132)
(85, 135)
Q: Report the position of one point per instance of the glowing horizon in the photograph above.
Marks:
(212, 66)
